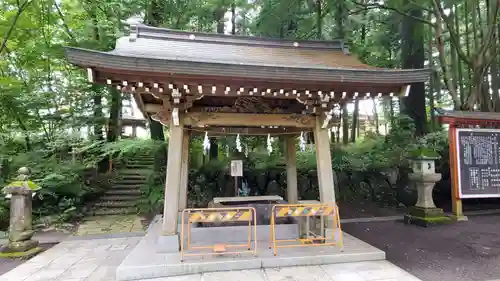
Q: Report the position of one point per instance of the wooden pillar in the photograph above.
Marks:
(291, 170)
(184, 172)
(324, 162)
(134, 131)
(173, 179)
(318, 170)
(456, 202)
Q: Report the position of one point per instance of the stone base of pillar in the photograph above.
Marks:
(21, 249)
(168, 244)
(459, 218)
(426, 217)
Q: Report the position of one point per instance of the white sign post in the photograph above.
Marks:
(236, 171)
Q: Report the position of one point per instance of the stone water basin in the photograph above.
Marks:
(262, 205)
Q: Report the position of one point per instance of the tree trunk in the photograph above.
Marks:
(355, 121)
(155, 19)
(339, 25)
(98, 116)
(97, 98)
(345, 125)
(319, 20)
(156, 128)
(220, 20)
(114, 116)
(459, 66)
(432, 79)
(233, 18)
(413, 56)
(463, 95)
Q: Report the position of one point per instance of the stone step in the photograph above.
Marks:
(120, 197)
(142, 172)
(115, 204)
(131, 177)
(140, 161)
(127, 183)
(140, 166)
(125, 187)
(128, 179)
(114, 192)
(112, 211)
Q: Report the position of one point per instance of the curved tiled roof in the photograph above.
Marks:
(149, 49)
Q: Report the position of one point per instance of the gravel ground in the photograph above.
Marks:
(465, 251)
(361, 209)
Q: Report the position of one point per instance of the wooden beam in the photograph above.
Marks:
(199, 119)
(268, 87)
(142, 107)
(152, 108)
(252, 131)
(236, 82)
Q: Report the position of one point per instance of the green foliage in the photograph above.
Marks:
(119, 149)
(153, 194)
(31, 185)
(43, 98)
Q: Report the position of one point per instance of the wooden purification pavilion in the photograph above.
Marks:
(236, 84)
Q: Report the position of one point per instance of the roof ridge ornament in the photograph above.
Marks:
(134, 22)
(345, 48)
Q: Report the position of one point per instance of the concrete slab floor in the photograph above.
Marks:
(97, 260)
(338, 272)
(145, 261)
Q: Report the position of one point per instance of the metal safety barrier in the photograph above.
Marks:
(306, 211)
(218, 215)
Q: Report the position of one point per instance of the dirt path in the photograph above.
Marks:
(467, 251)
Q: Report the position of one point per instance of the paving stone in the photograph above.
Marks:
(46, 275)
(299, 273)
(346, 277)
(102, 273)
(118, 247)
(367, 271)
(19, 275)
(110, 224)
(241, 275)
(195, 277)
(82, 270)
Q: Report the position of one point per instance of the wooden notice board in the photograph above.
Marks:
(236, 168)
(478, 162)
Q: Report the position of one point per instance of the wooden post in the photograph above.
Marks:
(324, 161)
(173, 179)
(184, 172)
(236, 189)
(134, 131)
(456, 202)
(291, 170)
(318, 170)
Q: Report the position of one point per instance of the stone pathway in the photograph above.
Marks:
(97, 259)
(110, 225)
(75, 260)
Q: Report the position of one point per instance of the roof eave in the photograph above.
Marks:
(95, 59)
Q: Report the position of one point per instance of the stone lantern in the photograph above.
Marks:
(20, 227)
(424, 176)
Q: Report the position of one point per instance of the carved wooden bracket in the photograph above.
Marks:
(173, 103)
(328, 115)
